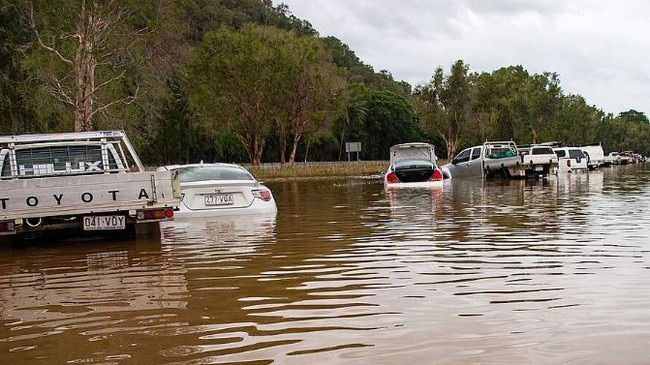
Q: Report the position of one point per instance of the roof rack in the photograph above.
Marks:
(65, 136)
(115, 135)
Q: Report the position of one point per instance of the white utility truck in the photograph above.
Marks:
(80, 182)
(491, 159)
(538, 160)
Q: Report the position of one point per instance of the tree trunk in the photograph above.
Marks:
(294, 147)
(95, 21)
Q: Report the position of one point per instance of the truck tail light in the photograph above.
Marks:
(7, 227)
(150, 214)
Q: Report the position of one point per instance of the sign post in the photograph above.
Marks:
(353, 147)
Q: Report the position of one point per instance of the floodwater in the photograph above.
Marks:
(479, 272)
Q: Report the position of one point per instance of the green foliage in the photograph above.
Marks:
(240, 80)
(17, 116)
(243, 76)
(389, 120)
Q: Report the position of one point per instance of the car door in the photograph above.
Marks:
(475, 164)
(460, 166)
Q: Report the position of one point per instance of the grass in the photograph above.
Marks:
(318, 169)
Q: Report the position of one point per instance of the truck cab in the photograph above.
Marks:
(468, 162)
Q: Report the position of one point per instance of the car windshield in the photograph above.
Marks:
(202, 173)
(414, 164)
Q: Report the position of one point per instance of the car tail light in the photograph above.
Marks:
(155, 214)
(436, 176)
(263, 194)
(392, 178)
(568, 163)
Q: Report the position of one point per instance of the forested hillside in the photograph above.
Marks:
(246, 81)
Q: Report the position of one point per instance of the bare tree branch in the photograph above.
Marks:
(126, 101)
(40, 40)
(96, 24)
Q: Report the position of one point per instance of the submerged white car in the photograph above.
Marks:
(220, 189)
(413, 165)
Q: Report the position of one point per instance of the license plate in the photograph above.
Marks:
(539, 168)
(219, 199)
(104, 222)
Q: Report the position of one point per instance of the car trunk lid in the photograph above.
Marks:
(412, 151)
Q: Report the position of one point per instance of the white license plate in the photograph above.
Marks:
(219, 199)
(104, 222)
(539, 168)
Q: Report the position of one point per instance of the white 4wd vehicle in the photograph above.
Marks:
(571, 159)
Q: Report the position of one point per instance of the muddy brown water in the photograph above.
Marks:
(479, 272)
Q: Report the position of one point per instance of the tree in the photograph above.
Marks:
(312, 83)
(88, 52)
(540, 102)
(353, 103)
(445, 105)
(238, 82)
(389, 120)
(14, 106)
(633, 116)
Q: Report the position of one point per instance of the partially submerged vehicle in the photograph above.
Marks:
(220, 190)
(538, 160)
(491, 159)
(595, 155)
(413, 165)
(571, 160)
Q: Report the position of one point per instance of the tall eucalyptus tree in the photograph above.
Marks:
(87, 46)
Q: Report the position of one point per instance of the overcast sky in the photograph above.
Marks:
(600, 49)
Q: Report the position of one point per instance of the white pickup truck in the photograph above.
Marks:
(491, 159)
(80, 182)
(538, 160)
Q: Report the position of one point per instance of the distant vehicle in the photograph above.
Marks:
(491, 159)
(571, 160)
(220, 189)
(595, 155)
(538, 160)
(612, 158)
(413, 165)
(628, 157)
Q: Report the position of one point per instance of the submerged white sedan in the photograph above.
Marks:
(220, 189)
(413, 165)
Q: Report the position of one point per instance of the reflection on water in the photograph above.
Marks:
(550, 271)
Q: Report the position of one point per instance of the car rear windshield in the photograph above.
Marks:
(203, 173)
(576, 154)
(542, 151)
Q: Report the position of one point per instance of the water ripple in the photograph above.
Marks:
(507, 271)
